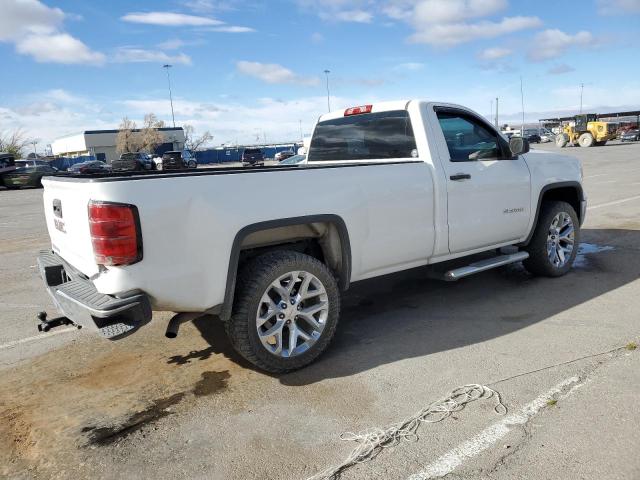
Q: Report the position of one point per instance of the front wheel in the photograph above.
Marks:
(285, 311)
(562, 140)
(192, 164)
(586, 140)
(554, 245)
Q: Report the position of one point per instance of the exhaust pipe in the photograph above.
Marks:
(177, 320)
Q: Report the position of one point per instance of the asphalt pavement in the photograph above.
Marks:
(561, 353)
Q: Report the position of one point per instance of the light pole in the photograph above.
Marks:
(327, 72)
(581, 92)
(173, 118)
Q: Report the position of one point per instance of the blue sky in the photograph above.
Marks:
(249, 68)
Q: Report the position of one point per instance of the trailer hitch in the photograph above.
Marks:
(45, 325)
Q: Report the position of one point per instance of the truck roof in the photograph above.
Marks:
(375, 107)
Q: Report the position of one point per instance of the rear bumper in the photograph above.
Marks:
(77, 298)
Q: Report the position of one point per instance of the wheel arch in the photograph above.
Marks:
(253, 237)
(570, 192)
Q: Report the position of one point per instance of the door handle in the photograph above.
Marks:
(460, 176)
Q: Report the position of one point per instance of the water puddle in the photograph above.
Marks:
(586, 249)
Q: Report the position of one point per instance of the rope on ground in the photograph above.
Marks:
(373, 440)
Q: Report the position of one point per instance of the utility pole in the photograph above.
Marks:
(301, 135)
(173, 118)
(491, 110)
(34, 143)
(497, 103)
(522, 102)
(327, 72)
(581, 92)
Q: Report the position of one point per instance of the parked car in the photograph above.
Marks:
(630, 136)
(532, 135)
(270, 250)
(283, 155)
(30, 176)
(133, 162)
(7, 162)
(176, 160)
(189, 159)
(252, 156)
(90, 166)
(32, 163)
(294, 160)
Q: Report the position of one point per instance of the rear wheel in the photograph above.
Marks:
(586, 140)
(554, 245)
(285, 311)
(192, 164)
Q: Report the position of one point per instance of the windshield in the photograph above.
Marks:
(362, 137)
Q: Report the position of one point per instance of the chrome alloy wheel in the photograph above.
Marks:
(560, 240)
(292, 314)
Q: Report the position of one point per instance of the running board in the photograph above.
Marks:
(483, 265)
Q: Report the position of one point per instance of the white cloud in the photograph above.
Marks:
(170, 19)
(36, 30)
(273, 73)
(553, 43)
(495, 53)
(141, 55)
(358, 16)
(358, 11)
(208, 6)
(454, 11)
(618, 7)
(452, 34)
(232, 29)
(58, 48)
(561, 69)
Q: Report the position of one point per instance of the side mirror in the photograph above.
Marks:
(518, 145)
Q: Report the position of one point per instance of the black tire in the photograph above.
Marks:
(538, 262)
(253, 281)
(586, 140)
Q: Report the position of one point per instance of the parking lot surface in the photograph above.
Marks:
(560, 352)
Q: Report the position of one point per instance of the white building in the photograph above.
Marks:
(102, 143)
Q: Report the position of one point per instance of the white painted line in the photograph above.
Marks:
(617, 202)
(451, 460)
(37, 337)
(594, 176)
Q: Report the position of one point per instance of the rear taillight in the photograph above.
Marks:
(115, 233)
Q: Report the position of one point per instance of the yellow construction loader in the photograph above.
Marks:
(586, 131)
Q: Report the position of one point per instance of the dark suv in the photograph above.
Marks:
(252, 156)
(173, 161)
(132, 162)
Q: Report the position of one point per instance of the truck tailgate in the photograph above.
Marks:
(66, 212)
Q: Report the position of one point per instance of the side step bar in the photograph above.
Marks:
(483, 265)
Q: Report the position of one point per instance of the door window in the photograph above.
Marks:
(468, 139)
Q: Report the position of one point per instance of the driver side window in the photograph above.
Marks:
(467, 138)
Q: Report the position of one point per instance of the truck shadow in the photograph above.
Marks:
(408, 314)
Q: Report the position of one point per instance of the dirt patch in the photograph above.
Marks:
(94, 392)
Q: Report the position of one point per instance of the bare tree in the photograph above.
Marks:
(193, 143)
(127, 141)
(150, 137)
(14, 142)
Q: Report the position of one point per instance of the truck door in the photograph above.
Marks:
(488, 189)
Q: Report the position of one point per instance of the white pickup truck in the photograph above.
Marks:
(387, 187)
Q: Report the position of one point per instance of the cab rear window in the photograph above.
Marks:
(382, 135)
